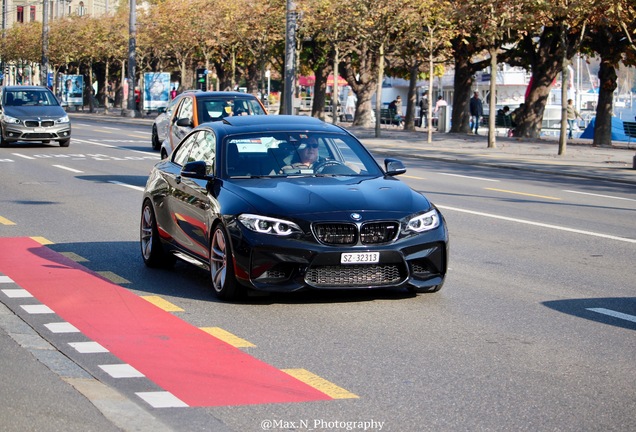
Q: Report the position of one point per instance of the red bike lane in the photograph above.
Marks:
(180, 358)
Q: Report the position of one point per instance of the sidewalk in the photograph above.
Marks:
(537, 155)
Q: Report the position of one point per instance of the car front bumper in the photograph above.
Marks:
(269, 263)
(12, 132)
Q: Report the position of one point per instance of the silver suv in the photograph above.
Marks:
(32, 113)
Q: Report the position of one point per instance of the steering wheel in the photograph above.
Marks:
(320, 166)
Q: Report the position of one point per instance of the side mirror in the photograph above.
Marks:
(394, 167)
(196, 169)
(184, 122)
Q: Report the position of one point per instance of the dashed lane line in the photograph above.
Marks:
(320, 384)
(162, 303)
(523, 194)
(228, 337)
(5, 221)
(614, 314)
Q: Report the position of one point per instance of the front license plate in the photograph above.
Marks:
(39, 129)
(360, 258)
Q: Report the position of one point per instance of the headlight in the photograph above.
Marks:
(64, 119)
(424, 222)
(11, 120)
(268, 225)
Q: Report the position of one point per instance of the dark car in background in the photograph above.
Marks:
(287, 203)
(32, 113)
(193, 107)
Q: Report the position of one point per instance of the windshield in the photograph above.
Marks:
(217, 108)
(294, 153)
(29, 97)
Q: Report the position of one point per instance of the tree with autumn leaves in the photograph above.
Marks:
(239, 40)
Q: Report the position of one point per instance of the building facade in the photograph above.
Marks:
(23, 11)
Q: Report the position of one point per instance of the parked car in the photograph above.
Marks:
(32, 113)
(191, 108)
(286, 203)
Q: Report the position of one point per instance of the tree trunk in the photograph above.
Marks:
(603, 123)
(411, 99)
(364, 86)
(462, 84)
(320, 92)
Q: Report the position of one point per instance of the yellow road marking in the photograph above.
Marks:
(320, 384)
(114, 278)
(4, 221)
(228, 337)
(42, 240)
(524, 194)
(75, 257)
(162, 304)
(414, 177)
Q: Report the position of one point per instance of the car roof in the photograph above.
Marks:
(270, 123)
(24, 88)
(218, 94)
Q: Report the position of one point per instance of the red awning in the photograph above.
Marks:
(309, 81)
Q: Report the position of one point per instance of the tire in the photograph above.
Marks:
(152, 251)
(65, 142)
(3, 142)
(156, 145)
(222, 275)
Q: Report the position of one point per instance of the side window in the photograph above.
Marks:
(204, 149)
(185, 109)
(182, 153)
(254, 108)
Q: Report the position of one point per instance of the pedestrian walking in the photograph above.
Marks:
(476, 111)
(424, 109)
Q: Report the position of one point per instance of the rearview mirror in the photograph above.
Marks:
(394, 167)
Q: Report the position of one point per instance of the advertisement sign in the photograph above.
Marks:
(156, 90)
(72, 90)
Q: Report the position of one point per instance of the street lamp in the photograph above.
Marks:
(290, 57)
(45, 44)
(132, 109)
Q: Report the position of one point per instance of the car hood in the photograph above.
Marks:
(315, 195)
(35, 111)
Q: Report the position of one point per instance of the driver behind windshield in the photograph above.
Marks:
(305, 153)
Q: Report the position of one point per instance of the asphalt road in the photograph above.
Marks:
(533, 330)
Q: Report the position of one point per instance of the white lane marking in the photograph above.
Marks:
(94, 143)
(614, 314)
(139, 188)
(470, 177)
(61, 327)
(88, 347)
(147, 153)
(22, 156)
(37, 309)
(17, 293)
(121, 371)
(539, 224)
(68, 169)
(6, 160)
(161, 399)
(600, 195)
(5, 279)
